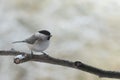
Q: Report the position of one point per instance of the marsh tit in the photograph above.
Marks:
(38, 42)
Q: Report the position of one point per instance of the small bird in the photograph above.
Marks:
(38, 42)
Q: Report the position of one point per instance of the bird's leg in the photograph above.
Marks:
(31, 53)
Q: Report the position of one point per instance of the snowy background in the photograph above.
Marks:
(84, 30)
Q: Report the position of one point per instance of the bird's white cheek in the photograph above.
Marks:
(37, 34)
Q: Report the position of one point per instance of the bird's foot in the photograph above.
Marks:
(12, 49)
(44, 53)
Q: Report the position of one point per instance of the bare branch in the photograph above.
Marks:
(24, 57)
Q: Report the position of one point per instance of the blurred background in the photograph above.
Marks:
(84, 30)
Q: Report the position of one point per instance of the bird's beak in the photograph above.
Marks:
(50, 35)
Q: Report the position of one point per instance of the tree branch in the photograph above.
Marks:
(24, 57)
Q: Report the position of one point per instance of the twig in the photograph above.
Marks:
(24, 57)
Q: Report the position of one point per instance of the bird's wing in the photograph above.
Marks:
(32, 39)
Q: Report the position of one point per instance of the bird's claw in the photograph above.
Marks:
(44, 53)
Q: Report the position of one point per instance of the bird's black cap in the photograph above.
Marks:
(45, 32)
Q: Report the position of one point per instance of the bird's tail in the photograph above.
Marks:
(18, 42)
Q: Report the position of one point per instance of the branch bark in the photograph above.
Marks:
(22, 57)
